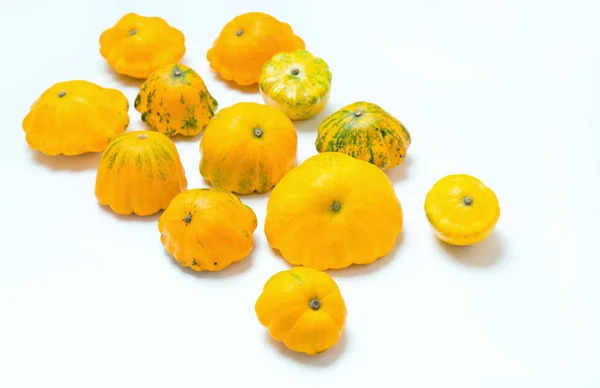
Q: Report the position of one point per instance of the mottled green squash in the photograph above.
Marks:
(366, 132)
(175, 100)
(297, 83)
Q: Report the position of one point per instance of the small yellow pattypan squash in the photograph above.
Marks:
(207, 229)
(462, 209)
(137, 45)
(139, 173)
(246, 43)
(365, 131)
(174, 100)
(296, 83)
(304, 309)
(248, 147)
(75, 117)
(333, 211)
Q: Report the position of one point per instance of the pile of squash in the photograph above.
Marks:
(336, 209)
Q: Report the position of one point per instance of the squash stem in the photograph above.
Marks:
(315, 304)
(467, 201)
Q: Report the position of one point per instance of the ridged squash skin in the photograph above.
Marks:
(175, 101)
(462, 210)
(75, 117)
(333, 211)
(365, 131)
(304, 309)
(248, 147)
(248, 41)
(138, 45)
(207, 229)
(139, 173)
(296, 83)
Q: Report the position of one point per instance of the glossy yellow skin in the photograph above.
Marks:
(207, 229)
(304, 223)
(174, 100)
(296, 83)
(284, 307)
(138, 45)
(462, 209)
(248, 147)
(139, 173)
(75, 117)
(365, 131)
(246, 43)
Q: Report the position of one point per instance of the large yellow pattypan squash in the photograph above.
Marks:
(137, 45)
(75, 117)
(333, 211)
(246, 43)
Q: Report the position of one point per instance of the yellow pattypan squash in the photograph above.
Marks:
(246, 43)
(174, 100)
(207, 229)
(137, 45)
(333, 211)
(248, 147)
(296, 83)
(462, 209)
(75, 117)
(140, 172)
(365, 131)
(304, 309)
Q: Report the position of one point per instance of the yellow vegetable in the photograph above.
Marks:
(174, 100)
(462, 209)
(248, 147)
(333, 211)
(140, 172)
(75, 117)
(246, 42)
(296, 83)
(137, 45)
(365, 131)
(304, 309)
(207, 229)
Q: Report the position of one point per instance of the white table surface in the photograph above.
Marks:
(507, 91)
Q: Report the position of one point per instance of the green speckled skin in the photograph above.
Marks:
(175, 100)
(296, 83)
(365, 131)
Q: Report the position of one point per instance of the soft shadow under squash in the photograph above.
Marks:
(486, 254)
(400, 172)
(234, 269)
(312, 124)
(318, 360)
(376, 266)
(121, 78)
(131, 217)
(82, 162)
(247, 89)
(357, 269)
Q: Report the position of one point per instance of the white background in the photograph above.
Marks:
(507, 91)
